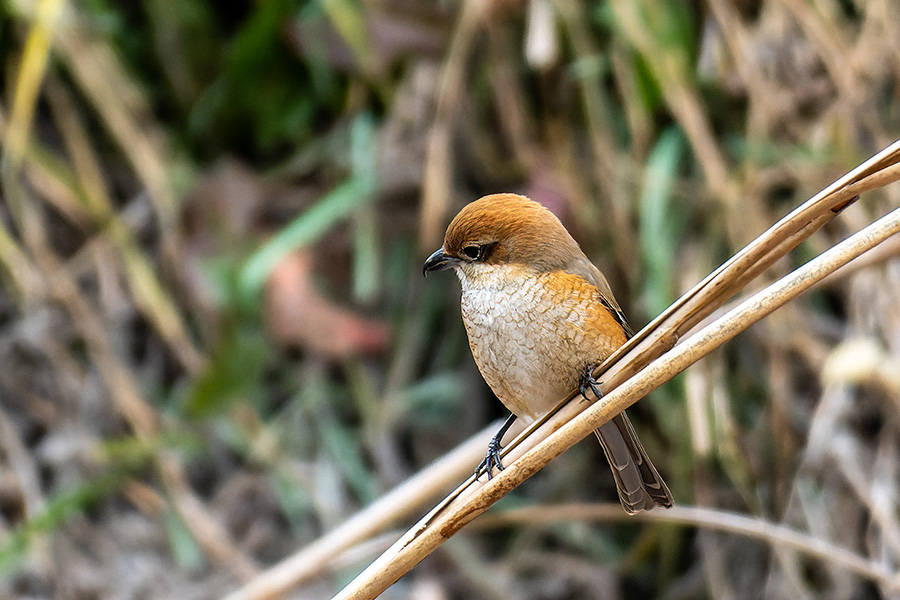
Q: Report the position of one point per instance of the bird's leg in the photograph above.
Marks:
(492, 458)
(588, 382)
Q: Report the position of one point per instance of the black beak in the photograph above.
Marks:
(438, 261)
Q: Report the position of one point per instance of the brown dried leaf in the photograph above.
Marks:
(297, 315)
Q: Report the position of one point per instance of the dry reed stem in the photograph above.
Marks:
(721, 285)
(603, 147)
(555, 435)
(118, 379)
(671, 69)
(763, 105)
(209, 533)
(98, 209)
(123, 110)
(437, 180)
(143, 420)
(53, 279)
(312, 560)
(777, 536)
(125, 114)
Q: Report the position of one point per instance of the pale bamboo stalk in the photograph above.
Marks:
(720, 285)
(384, 512)
(432, 531)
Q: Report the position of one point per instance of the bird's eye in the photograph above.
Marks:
(473, 252)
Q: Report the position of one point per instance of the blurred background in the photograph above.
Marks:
(216, 343)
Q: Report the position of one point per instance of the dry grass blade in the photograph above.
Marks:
(122, 385)
(23, 279)
(31, 74)
(634, 375)
(140, 416)
(124, 113)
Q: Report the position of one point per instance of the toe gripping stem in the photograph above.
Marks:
(492, 458)
(589, 383)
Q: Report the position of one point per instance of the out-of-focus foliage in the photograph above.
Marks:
(217, 344)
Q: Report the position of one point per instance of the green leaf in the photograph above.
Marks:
(59, 509)
(660, 225)
(184, 548)
(343, 445)
(349, 21)
(234, 373)
(319, 219)
(436, 398)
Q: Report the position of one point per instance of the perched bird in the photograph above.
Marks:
(540, 316)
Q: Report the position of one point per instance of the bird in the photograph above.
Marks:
(540, 316)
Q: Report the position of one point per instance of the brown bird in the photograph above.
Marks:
(540, 316)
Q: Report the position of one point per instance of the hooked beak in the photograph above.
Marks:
(438, 261)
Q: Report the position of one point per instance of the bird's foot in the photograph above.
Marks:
(491, 459)
(589, 383)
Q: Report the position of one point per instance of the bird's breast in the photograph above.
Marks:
(533, 334)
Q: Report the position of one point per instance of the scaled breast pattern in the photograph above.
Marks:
(533, 334)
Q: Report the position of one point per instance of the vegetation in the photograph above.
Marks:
(217, 344)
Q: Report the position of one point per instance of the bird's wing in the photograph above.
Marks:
(637, 480)
(586, 269)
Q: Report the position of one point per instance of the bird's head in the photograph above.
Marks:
(505, 229)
